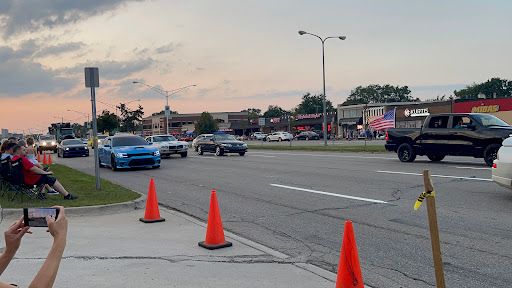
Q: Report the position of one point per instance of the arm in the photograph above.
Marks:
(13, 237)
(48, 272)
(36, 170)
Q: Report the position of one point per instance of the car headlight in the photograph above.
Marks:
(44, 143)
(53, 143)
(122, 155)
(67, 149)
(226, 145)
(244, 145)
(156, 153)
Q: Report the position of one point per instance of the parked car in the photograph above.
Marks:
(221, 144)
(47, 142)
(307, 135)
(168, 145)
(202, 137)
(98, 138)
(279, 136)
(187, 138)
(127, 151)
(259, 136)
(502, 166)
(72, 147)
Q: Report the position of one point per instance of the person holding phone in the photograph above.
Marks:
(48, 272)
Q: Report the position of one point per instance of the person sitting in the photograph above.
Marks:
(31, 153)
(459, 124)
(58, 229)
(32, 175)
(8, 150)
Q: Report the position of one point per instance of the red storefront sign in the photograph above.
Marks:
(483, 106)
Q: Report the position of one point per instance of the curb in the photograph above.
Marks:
(114, 208)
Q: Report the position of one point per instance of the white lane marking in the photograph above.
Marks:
(202, 157)
(475, 168)
(441, 176)
(330, 194)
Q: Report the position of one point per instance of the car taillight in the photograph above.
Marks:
(494, 165)
(387, 136)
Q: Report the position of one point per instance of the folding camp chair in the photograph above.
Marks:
(18, 185)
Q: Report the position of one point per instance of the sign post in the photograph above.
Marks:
(92, 80)
(261, 122)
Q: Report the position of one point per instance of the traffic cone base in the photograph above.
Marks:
(213, 247)
(152, 214)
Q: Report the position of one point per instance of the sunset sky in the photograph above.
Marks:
(240, 54)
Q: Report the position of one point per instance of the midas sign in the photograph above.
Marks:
(486, 109)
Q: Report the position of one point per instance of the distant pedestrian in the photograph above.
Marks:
(368, 135)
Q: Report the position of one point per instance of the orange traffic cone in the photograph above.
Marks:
(50, 159)
(152, 213)
(349, 271)
(38, 156)
(214, 231)
(44, 158)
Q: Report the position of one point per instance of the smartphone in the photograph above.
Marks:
(36, 217)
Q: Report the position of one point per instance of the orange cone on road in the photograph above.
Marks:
(50, 159)
(349, 271)
(38, 156)
(214, 231)
(44, 158)
(152, 214)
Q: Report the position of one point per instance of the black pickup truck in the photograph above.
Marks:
(456, 134)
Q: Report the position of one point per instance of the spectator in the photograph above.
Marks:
(374, 134)
(8, 150)
(368, 135)
(58, 229)
(32, 175)
(31, 153)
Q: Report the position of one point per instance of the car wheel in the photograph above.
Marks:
(280, 140)
(490, 153)
(436, 157)
(219, 151)
(241, 153)
(183, 155)
(199, 150)
(268, 139)
(406, 153)
(113, 163)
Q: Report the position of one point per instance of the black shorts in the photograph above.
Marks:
(45, 179)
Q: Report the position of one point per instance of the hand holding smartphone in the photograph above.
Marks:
(36, 217)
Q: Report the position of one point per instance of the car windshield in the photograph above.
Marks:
(224, 137)
(489, 120)
(128, 141)
(163, 138)
(72, 142)
(46, 138)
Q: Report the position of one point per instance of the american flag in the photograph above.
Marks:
(385, 121)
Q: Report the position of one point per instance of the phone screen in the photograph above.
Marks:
(36, 217)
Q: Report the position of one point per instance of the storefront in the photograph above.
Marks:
(302, 122)
(413, 114)
(500, 107)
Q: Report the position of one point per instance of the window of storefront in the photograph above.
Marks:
(352, 113)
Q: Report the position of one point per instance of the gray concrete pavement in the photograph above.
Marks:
(117, 250)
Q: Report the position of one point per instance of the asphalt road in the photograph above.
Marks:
(277, 198)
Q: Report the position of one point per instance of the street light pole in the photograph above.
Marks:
(323, 70)
(160, 91)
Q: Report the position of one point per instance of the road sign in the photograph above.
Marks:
(92, 77)
(167, 110)
(261, 121)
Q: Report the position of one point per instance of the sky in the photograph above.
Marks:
(241, 54)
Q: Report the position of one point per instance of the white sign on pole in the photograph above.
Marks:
(261, 121)
(167, 110)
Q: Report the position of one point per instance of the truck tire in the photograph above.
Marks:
(490, 153)
(406, 153)
(436, 157)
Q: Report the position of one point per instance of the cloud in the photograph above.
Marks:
(59, 49)
(271, 95)
(21, 16)
(166, 48)
(112, 70)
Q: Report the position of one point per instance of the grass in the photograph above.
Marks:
(369, 148)
(79, 184)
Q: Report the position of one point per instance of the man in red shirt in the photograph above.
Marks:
(35, 176)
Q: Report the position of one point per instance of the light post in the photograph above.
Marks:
(165, 93)
(323, 69)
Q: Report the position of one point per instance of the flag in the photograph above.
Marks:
(385, 121)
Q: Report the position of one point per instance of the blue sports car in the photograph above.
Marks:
(128, 151)
(72, 147)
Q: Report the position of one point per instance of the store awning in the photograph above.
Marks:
(351, 121)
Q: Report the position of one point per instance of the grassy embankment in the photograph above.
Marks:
(79, 184)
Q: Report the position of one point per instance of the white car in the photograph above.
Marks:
(502, 167)
(200, 138)
(280, 136)
(259, 136)
(168, 145)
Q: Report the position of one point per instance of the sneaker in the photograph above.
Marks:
(52, 192)
(70, 197)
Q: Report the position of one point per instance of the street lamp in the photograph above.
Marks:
(323, 68)
(165, 93)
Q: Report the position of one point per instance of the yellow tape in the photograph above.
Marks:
(422, 197)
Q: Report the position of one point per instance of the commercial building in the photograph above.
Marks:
(499, 107)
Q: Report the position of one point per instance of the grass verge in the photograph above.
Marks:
(79, 184)
(369, 148)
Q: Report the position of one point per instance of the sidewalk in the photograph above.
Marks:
(118, 250)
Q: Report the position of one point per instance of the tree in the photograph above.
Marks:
(131, 120)
(107, 121)
(313, 104)
(275, 111)
(253, 113)
(206, 124)
(440, 98)
(163, 113)
(498, 87)
(375, 93)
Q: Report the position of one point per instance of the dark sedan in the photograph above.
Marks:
(221, 144)
(308, 135)
(72, 147)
